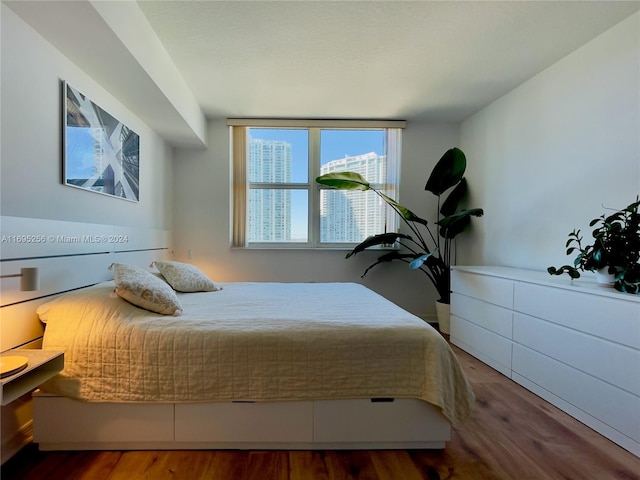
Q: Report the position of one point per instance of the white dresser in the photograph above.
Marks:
(575, 344)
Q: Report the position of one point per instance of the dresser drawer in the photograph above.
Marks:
(498, 291)
(486, 315)
(492, 349)
(606, 403)
(611, 362)
(617, 320)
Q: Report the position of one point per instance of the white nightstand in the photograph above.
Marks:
(41, 366)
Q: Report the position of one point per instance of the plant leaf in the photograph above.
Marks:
(343, 181)
(573, 273)
(447, 172)
(452, 225)
(450, 205)
(418, 262)
(404, 211)
(455, 228)
(389, 257)
(375, 240)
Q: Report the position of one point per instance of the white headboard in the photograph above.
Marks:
(68, 255)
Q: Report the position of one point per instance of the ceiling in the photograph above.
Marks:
(431, 60)
(437, 61)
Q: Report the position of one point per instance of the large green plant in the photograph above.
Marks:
(425, 248)
(616, 247)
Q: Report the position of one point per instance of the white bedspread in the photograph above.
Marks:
(252, 341)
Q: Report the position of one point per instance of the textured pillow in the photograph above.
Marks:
(144, 290)
(184, 277)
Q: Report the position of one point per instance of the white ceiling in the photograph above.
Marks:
(436, 61)
(433, 60)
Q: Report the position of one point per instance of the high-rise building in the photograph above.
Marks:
(269, 208)
(352, 216)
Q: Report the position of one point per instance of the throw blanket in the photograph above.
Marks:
(252, 341)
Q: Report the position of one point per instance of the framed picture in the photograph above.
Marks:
(101, 154)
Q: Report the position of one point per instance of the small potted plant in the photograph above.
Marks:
(426, 248)
(615, 251)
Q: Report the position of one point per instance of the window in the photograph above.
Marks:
(277, 202)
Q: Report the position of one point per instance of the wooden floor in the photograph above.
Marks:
(512, 434)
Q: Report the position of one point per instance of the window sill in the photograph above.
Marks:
(295, 247)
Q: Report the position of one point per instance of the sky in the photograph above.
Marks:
(334, 144)
(79, 153)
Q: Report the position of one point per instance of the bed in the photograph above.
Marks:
(249, 365)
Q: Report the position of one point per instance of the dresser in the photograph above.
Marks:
(574, 343)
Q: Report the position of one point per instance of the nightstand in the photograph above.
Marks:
(41, 366)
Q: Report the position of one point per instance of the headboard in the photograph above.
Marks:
(68, 255)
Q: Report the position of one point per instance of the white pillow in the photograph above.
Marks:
(145, 290)
(185, 277)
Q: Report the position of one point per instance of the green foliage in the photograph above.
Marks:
(616, 246)
(421, 249)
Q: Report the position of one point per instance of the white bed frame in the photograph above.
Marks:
(61, 423)
(65, 424)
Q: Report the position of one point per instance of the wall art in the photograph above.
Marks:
(101, 154)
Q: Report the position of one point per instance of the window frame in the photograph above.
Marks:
(238, 131)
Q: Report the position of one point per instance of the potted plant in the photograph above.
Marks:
(429, 249)
(615, 249)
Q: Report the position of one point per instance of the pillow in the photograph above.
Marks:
(184, 277)
(144, 290)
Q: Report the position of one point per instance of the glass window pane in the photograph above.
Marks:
(278, 155)
(278, 215)
(350, 216)
(360, 151)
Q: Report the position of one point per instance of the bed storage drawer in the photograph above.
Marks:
(119, 422)
(277, 422)
(374, 421)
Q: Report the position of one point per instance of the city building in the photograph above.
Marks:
(352, 216)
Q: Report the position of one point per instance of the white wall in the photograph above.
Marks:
(202, 222)
(549, 154)
(31, 161)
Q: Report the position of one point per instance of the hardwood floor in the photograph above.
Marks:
(512, 435)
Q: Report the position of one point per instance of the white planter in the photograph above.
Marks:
(604, 278)
(443, 311)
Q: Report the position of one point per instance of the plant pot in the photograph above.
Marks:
(443, 311)
(604, 278)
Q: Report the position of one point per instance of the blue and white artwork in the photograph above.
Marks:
(101, 153)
